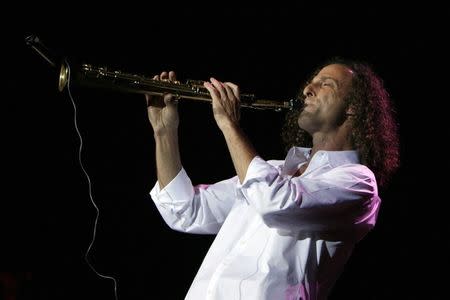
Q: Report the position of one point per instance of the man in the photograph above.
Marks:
(285, 228)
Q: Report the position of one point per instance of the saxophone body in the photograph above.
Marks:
(101, 77)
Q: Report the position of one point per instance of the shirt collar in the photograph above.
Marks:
(299, 155)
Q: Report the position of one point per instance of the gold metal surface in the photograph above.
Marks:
(102, 77)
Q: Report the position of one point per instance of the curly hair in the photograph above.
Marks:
(375, 131)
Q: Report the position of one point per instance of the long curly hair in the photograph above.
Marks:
(375, 130)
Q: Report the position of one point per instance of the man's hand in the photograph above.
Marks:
(163, 115)
(225, 101)
(162, 111)
(226, 104)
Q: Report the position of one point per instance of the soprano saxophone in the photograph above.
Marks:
(102, 77)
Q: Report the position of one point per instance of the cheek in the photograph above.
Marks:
(336, 113)
(332, 104)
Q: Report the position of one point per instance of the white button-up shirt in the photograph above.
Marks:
(278, 236)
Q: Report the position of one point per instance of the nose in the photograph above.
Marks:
(308, 91)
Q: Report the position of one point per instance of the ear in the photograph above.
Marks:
(350, 111)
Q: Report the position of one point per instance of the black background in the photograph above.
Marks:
(48, 218)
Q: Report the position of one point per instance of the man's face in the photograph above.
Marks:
(324, 107)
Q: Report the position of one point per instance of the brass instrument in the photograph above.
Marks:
(89, 75)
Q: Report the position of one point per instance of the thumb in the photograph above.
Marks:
(170, 101)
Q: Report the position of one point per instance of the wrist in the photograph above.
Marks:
(164, 133)
(228, 125)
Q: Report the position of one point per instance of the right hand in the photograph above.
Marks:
(162, 110)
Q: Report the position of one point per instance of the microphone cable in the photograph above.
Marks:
(80, 149)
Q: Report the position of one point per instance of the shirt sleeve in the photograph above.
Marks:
(198, 209)
(340, 198)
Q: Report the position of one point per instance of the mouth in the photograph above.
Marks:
(307, 101)
(307, 105)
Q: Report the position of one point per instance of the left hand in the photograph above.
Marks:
(225, 102)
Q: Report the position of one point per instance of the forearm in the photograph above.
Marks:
(241, 150)
(168, 162)
(225, 103)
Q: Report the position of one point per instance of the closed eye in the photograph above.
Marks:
(328, 83)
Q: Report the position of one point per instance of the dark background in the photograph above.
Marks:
(48, 218)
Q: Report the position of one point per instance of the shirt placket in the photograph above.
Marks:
(238, 249)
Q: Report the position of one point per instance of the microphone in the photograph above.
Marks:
(35, 43)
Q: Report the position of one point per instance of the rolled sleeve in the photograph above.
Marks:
(201, 209)
(258, 171)
(177, 191)
(331, 199)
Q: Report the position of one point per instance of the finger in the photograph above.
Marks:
(156, 77)
(230, 93)
(172, 76)
(233, 103)
(219, 87)
(234, 88)
(164, 75)
(215, 95)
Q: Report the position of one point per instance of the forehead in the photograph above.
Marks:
(338, 72)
